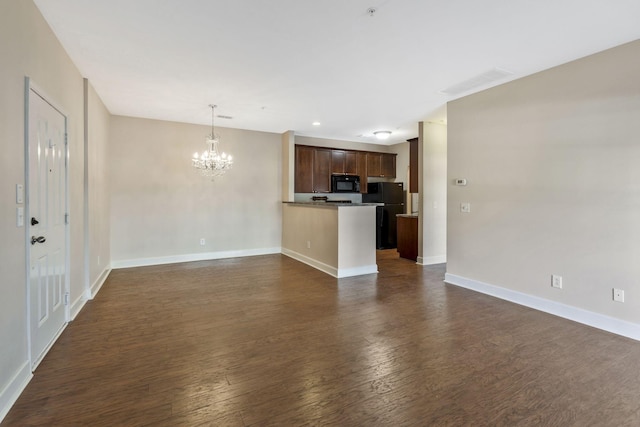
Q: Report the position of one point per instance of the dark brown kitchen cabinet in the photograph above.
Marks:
(381, 165)
(408, 236)
(337, 161)
(361, 170)
(374, 160)
(343, 161)
(351, 162)
(388, 165)
(321, 170)
(413, 165)
(304, 169)
(314, 166)
(312, 169)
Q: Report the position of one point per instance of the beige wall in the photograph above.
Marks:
(554, 184)
(98, 252)
(432, 241)
(288, 166)
(161, 207)
(29, 48)
(316, 225)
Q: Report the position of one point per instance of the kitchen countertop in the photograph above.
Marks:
(331, 204)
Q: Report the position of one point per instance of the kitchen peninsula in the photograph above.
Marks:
(336, 238)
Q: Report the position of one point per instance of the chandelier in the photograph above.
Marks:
(211, 163)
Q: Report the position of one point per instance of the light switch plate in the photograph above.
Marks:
(20, 216)
(19, 193)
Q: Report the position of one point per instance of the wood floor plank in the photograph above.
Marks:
(269, 341)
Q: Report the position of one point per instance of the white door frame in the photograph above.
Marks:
(29, 87)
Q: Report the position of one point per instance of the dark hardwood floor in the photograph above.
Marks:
(270, 341)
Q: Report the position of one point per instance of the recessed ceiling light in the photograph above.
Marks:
(382, 134)
(316, 123)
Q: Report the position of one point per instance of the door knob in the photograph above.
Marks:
(34, 221)
(39, 239)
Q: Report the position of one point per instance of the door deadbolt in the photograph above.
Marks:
(34, 221)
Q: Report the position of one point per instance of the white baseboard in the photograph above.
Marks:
(596, 320)
(326, 268)
(357, 271)
(97, 285)
(431, 260)
(202, 256)
(76, 306)
(330, 270)
(88, 294)
(14, 388)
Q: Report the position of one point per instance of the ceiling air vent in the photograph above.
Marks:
(476, 82)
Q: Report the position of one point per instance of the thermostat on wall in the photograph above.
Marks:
(461, 181)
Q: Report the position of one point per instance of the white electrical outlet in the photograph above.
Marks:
(556, 281)
(465, 207)
(618, 295)
(308, 244)
(202, 242)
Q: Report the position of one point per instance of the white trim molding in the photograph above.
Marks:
(338, 273)
(596, 320)
(76, 306)
(97, 285)
(202, 256)
(14, 389)
(431, 260)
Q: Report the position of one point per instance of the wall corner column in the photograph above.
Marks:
(288, 165)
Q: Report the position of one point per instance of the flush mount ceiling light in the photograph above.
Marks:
(211, 163)
(382, 134)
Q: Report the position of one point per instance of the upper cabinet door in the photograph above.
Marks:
(337, 161)
(351, 162)
(304, 169)
(388, 166)
(322, 170)
(381, 165)
(361, 161)
(374, 161)
(343, 161)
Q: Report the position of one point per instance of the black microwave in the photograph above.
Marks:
(345, 184)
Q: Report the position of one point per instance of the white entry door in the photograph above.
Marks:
(46, 224)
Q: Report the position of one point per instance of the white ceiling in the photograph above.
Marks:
(280, 65)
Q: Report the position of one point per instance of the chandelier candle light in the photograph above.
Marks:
(211, 163)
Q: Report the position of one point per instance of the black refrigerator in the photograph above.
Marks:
(392, 195)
